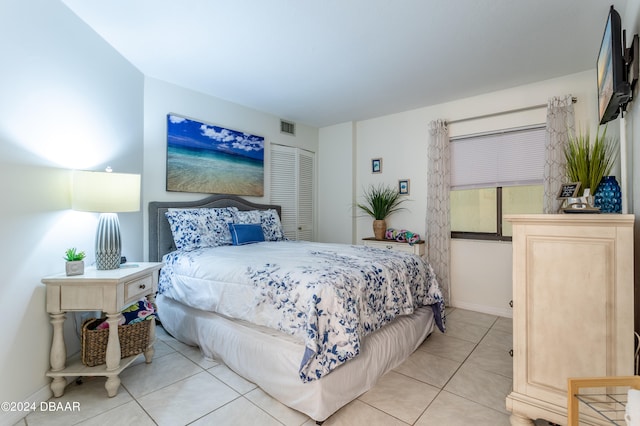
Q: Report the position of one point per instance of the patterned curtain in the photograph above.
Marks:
(560, 124)
(438, 236)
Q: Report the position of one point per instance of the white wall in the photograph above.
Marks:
(161, 98)
(68, 101)
(481, 271)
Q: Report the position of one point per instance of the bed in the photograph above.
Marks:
(285, 318)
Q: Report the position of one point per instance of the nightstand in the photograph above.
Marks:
(108, 291)
(415, 248)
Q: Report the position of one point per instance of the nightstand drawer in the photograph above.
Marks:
(397, 247)
(138, 287)
(417, 248)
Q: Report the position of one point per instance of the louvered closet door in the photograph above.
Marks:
(292, 187)
(305, 195)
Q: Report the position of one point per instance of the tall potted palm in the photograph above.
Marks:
(379, 202)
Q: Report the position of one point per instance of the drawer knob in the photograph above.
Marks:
(142, 286)
(389, 247)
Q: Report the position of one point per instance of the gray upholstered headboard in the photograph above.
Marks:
(160, 238)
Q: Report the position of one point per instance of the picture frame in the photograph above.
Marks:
(568, 190)
(376, 165)
(211, 159)
(403, 186)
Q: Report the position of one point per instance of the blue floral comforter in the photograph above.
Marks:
(328, 295)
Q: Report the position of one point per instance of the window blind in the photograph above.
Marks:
(508, 158)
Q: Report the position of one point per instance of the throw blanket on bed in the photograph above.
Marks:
(328, 295)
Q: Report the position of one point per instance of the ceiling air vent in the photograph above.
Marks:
(287, 127)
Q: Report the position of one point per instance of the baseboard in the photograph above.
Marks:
(491, 310)
(10, 418)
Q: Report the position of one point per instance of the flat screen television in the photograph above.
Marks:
(614, 90)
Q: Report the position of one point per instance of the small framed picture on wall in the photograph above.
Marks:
(403, 186)
(376, 165)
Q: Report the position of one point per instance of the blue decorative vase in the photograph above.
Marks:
(608, 196)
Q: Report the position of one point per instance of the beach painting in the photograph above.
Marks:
(211, 159)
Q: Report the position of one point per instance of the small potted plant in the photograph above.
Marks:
(75, 262)
(380, 202)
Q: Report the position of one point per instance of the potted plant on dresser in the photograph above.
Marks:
(590, 162)
(75, 262)
(379, 202)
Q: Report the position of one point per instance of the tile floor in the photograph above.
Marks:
(457, 378)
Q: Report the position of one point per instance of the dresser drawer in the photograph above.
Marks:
(138, 287)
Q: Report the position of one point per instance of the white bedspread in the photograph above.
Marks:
(328, 296)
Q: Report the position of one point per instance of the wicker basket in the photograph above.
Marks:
(134, 339)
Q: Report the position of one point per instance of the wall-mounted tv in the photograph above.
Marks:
(614, 90)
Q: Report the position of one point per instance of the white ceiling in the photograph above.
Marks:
(323, 62)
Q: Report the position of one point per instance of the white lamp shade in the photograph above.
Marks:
(104, 192)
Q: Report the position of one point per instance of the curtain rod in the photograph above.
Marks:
(511, 111)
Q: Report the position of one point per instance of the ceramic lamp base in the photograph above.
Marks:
(108, 246)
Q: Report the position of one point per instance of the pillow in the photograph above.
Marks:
(269, 219)
(198, 228)
(248, 216)
(271, 225)
(246, 233)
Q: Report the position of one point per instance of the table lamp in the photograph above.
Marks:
(106, 193)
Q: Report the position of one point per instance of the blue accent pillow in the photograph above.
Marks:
(246, 233)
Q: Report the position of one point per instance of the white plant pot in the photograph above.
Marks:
(75, 267)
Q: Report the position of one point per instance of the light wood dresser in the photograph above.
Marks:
(573, 309)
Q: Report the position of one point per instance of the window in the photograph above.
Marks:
(492, 175)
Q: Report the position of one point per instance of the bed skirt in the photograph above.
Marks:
(271, 359)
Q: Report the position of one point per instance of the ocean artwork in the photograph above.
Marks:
(211, 159)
